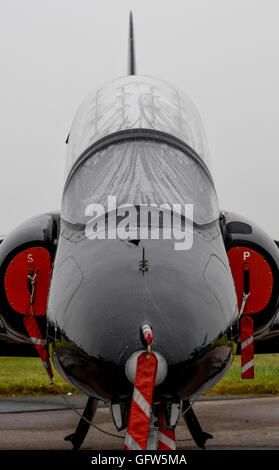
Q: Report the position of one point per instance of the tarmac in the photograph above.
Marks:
(41, 423)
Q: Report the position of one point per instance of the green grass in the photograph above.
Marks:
(26, 376)
(266, 381)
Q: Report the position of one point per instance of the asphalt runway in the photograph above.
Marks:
(246, 423)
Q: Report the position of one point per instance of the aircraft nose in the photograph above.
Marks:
(187, 299)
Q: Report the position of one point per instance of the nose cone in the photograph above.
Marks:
(106, 290)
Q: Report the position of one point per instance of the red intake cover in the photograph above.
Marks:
(260, 274)
(29, 261)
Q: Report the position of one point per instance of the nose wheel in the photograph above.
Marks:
(159, 435)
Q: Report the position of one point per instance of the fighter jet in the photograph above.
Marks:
(136, 288)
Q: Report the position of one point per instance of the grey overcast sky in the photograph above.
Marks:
(223, 53)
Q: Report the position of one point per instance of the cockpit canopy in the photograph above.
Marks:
(138, 172)
(135, 102)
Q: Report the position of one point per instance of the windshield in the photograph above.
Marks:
(140, 172)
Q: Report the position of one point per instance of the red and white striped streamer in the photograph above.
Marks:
(166, 436)
(247, 347)
(34, 333)
(141, 406)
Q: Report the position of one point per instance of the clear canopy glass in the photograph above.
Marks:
(140, 172)
(134, 102)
